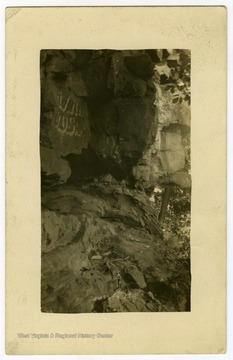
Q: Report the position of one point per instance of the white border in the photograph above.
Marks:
(20, 3)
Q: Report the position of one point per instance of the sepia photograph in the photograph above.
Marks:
(115, 158)
(115, 203)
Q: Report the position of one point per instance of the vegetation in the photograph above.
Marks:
(173, 195)
(174, 71)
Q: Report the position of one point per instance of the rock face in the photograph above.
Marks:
(97, 100)
(167, 154)
(103, 249)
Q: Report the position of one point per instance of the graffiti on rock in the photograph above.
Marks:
(70, 114)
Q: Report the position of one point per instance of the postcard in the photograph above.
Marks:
(116, 180)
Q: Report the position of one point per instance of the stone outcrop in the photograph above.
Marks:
(99, 101)
(103, 249)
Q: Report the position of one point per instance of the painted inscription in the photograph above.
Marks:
(70, 115)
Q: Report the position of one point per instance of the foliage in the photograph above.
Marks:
(178, 218)
(174, 71)
(176, 241)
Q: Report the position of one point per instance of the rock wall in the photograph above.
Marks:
(103, 249)
(98, 101)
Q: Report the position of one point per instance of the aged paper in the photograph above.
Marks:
(203, 31)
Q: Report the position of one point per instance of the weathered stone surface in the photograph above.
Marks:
(140, 65)
(172, 161)
(182, 179)
(172, 151)
(137, 125)
(91, 165)
(57, 229)
(168, 112)
(95, 243)
(58, 64)
(123, 129)
(134, 300)
(106, 146)
(65, 124)
(136, 275)
(78, 58)
(105, 121)
(103, 249)
(166, 156)
(51, 164)
(184, 114)
(136, 118)
(70, 128)
(156, 170)
(123, 83)
(170, 141)
(117, 120)
(132, 52)
(95, 77)
(76, 84)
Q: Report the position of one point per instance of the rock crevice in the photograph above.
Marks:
(103, 249)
